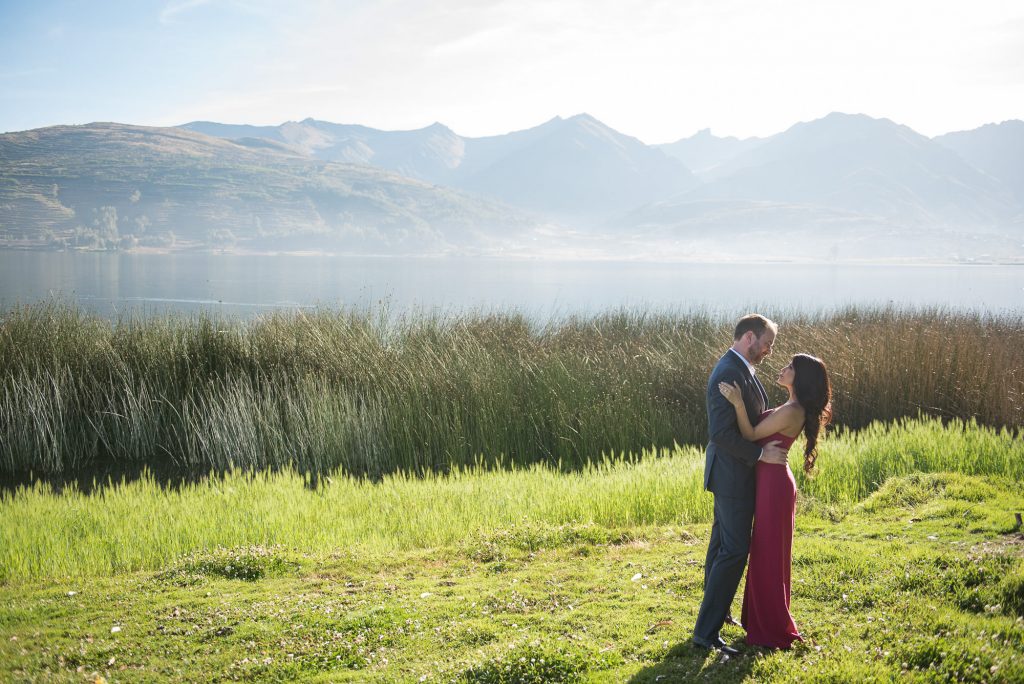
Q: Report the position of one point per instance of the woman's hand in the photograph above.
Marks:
(732, 393)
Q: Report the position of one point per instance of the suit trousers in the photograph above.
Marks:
(724, 564)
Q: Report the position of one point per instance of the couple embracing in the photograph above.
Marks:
(746, 469)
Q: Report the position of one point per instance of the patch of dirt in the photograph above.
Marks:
(1008, 544)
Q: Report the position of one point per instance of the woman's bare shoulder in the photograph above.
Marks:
(791, 412)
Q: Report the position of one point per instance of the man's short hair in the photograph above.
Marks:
(755, 323)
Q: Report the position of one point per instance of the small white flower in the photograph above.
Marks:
(115, 629)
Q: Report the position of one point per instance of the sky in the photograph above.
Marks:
(658, 70)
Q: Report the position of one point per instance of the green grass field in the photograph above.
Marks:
(340, 496)
(907, 567)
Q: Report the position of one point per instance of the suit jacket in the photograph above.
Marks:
(729, 460)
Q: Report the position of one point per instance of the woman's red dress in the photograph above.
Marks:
(766, 614)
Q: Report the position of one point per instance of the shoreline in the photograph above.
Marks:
(717, 259)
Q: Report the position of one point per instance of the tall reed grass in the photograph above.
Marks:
(372, 395)
(144, 525)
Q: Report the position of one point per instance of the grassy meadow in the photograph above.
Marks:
(907, 566)
(344, 496)
(364, 392)
(144, 525)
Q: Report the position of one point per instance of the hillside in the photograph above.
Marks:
(704, 153)
(871, 166)
(996, 149)
(573, 169)
(844, 186)
(108, 185)
(429, 154)
(578, 168)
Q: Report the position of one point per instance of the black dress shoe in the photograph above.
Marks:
(719, 645)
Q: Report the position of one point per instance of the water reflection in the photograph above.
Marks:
(113, 284)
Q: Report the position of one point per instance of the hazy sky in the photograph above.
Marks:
(657, 70)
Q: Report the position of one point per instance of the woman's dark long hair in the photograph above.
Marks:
(814, 393)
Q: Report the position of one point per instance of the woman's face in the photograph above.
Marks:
(786, 376)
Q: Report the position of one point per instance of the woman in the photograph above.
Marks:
(766, 615)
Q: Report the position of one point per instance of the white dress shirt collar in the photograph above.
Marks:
(750, 366)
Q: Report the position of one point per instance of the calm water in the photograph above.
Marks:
(244, 286)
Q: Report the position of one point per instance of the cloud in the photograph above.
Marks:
(173, 9)
(657, 69)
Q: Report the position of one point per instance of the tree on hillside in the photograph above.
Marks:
(105, 224)
(85, 237)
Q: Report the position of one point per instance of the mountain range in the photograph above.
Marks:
(570, 169)
(116, 186)
(846, 186)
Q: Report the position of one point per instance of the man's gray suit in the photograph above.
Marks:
(729, 474)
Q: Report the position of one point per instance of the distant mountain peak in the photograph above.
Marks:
(995, 149)
(839, 128)
(846, 115)
(703, 152)
(553, 121)
(1009, 124)
(838, 118)
(438, 127)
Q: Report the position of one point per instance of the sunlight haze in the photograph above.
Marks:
(655, 70)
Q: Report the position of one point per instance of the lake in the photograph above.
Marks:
(243, 286)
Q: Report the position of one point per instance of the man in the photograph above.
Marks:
(729, 474)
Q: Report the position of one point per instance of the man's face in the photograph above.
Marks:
(761, 347)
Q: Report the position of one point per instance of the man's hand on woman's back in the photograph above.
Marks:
(773, 454)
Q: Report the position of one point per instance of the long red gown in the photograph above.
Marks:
(766, 615)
